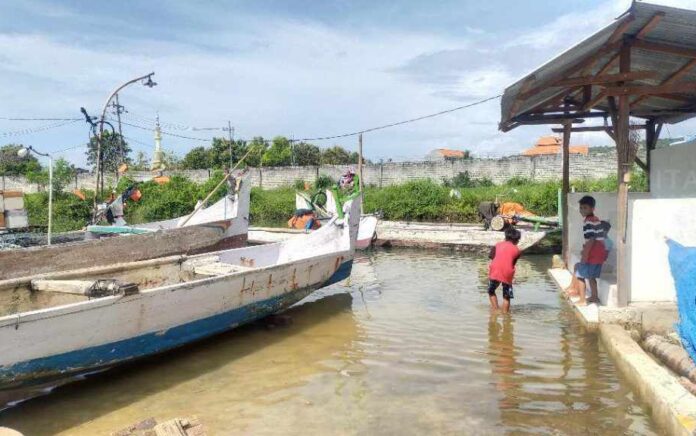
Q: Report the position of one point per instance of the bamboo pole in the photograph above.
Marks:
(224, 179)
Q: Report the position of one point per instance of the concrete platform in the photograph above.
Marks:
(672, 406)
(463, 237)
(658, 317)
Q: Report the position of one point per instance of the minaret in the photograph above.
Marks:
(157, 157)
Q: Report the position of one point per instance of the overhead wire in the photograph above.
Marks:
(399, 123)
(31, 130)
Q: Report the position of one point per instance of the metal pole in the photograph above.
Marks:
(120, 133)
(50, 198)
(150, 83)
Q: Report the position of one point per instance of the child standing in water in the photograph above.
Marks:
(501, 270)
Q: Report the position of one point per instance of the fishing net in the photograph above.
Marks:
(682, 262)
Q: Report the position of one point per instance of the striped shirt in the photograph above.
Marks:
(593, 230)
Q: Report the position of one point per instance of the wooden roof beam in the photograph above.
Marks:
(674, 88)
(583, 63)
(650, 25)
(665, 48)
(621, 28)
(607, 78)
(558, 116)
(596, 128)
(681, 72)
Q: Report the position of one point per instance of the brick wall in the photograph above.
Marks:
(538, 168)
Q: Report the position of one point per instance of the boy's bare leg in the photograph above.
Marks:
(506, 305)
(581, 292)
(594, 297)
(494, 302)
(572, 289)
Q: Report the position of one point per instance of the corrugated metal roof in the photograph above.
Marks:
(676, 28)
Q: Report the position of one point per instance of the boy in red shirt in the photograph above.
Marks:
(594, 252)
(501, 270)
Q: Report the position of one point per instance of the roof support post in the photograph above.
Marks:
(565, 187)
(649, 147)
(625, 162)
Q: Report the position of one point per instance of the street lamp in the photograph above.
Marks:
(146, 80)
(24, 152)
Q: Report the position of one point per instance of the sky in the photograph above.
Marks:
(301, 69)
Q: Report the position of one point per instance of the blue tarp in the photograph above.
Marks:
(682, 262)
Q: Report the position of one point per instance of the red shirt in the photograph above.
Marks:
(503, 258)
(592, 231)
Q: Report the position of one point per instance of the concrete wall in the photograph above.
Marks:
(606, 209)
(651, 221)
(538, 168)
(673, 171)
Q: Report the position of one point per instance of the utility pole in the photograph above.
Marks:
(118, 110)
(230, 137)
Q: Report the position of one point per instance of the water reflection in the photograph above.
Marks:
(221, 378)
(502, 353)
(408, 346)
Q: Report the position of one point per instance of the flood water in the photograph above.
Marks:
(406, 347)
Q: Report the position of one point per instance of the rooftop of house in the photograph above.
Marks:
(445, 152)
(552, 145)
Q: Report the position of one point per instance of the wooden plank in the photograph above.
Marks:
(595, 128)
(683, 87)
(558, 116)
(650, 25)
(607, 78)
(681, 72)
(665, 48)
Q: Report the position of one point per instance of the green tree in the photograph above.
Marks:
(171, 160)
(338, 155)
(63, 175)
(198, 158)
(307, 154)
(13, 165)
(258, 147)
(141, 162)
(113, 153)
(278, 154)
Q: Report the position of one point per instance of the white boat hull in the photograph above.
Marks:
(55, 342)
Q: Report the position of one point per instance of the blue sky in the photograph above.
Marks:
(301, 68)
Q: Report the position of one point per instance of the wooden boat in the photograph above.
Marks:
(222, 225)
(59, 324)
(266, 235)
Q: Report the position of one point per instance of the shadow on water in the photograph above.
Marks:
(165, 371)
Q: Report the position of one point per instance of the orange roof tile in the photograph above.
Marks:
(451, 153)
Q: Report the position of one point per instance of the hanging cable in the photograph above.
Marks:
(399, 123)
(37, 129)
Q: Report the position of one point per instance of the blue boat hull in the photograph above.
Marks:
(42, 370)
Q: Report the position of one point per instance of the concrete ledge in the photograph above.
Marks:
(589, 315)
(672, 406)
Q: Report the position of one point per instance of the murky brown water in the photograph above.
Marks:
(408, 347)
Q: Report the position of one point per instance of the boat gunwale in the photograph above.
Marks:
(64, 309)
